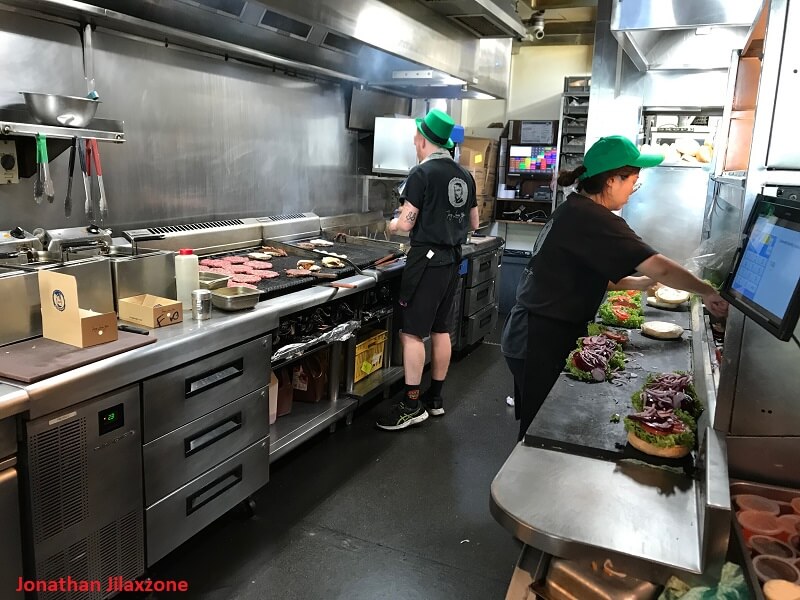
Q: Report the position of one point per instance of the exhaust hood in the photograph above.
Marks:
(676, 34)
(365, 42)
(482, 18)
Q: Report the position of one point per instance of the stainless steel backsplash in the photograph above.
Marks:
(206, 138)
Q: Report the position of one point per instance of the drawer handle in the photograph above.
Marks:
(214, 489)
(485, 320)
(482, 294)
(209, 379)
(212, 435)
(484, 266)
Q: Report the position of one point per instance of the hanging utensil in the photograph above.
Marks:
(87, 182)
(38, 183)
(68, 199)
(95, 158)
(47, 181)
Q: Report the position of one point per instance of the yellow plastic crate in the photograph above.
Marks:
(369, 354)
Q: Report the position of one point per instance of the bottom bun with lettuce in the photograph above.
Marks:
(665, 436)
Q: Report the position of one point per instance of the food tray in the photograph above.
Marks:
(783, 496)
(234, 298)
(212, 281)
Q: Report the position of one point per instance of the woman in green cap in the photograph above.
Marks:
(582, 251)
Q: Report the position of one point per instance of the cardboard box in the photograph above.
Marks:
(150, 311)
(470, 158)
(482, 151)
(63, 320)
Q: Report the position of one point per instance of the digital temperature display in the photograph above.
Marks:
(111, 418)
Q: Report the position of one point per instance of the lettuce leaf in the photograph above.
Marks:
(609, 318)
(637, 299)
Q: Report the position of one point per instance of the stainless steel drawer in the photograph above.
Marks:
(176, 518)
(193, 390)
(482, 268)
(480, 324)
(478, 297)
(8, 437)
(10, 540)
(189, 451)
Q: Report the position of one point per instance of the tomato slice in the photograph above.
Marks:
(620, 313)
(623, 301)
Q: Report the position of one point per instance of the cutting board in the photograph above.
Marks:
(40, 358)
(576, 416)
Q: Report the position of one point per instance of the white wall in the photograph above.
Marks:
(537, 82)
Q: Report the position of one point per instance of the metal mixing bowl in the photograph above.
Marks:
(64, 111)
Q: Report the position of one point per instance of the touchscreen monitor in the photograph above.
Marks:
(765, 280)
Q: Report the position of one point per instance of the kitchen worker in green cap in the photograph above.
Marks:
(439, 207)
(582, 251)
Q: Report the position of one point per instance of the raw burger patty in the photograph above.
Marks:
(236, 260)
(217, 271)
(268, 274)
(298, 273)
(216, 263)
(233, 283)
(245, 278)
(240, 269)
(258, 264)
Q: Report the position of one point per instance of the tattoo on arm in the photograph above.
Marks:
(411, 217)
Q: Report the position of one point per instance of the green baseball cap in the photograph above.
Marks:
(613, 152)
(436, 127)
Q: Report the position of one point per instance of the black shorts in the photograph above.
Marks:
(430, 308)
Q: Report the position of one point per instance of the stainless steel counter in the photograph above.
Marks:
(650, 521)
(13, 400)
(182, 343)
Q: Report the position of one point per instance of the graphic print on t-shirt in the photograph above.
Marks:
(457, 192)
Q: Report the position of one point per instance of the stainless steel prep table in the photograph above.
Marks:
(650, 522)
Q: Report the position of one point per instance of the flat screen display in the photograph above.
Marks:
(536, 132)
(765, 281)
(524, 160)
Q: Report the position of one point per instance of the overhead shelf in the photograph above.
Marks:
(19, 123)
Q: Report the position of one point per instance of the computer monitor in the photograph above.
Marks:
(765, 281)
(537, 132)
(531, 160)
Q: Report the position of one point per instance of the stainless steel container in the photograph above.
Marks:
(201, 305)
(143, 272)
(22, 316)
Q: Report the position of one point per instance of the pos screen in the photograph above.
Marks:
(765, 281)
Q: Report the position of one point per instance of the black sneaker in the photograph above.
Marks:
(435, 406)
(400, 416)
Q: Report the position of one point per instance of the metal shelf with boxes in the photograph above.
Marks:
(528, 152)
(573, 120)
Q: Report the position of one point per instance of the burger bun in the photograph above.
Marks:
(653, 450)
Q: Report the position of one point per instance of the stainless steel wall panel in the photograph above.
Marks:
(766, 401)
(38, 56)
(207, 138)
(784, 152)
(667, 212)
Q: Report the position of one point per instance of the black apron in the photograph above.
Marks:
(417, 261)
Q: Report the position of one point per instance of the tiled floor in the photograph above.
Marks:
(367, 514)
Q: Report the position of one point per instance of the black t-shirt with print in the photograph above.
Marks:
(444, 193)
(580, 249)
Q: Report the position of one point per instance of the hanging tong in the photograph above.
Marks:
(68, 198)
(93, 159)
(43, 186)
(87, 182)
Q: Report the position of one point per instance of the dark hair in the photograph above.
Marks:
(596, 183)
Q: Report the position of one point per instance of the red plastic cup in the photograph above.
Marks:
(790, 525)
(754, 522)
(759, 503)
